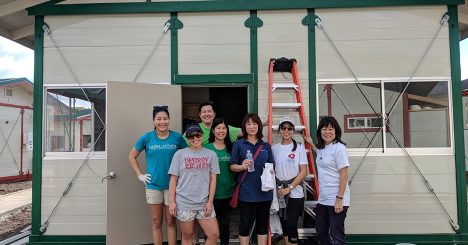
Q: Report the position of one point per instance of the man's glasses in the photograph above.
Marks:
(195, 136)
(287, 128)
(160, 108)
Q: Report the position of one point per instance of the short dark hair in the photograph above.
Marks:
(227, 140)
(256, 120)
(326, 121)
(157, 109)
(200, 106)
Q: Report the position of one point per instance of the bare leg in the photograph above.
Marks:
(210, 227)
(262, 239)
(171, 227)
(195, 238)
(186, 229)
(244, 240)
(156, 221)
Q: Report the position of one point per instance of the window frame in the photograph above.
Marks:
(384, 150)
(50, 155)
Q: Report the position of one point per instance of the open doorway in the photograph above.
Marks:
(230, 102)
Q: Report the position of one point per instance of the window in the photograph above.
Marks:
(8, 92)
(74, 123)
(362, 122)
(418, 113)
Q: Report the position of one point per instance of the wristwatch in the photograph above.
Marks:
(291, 187)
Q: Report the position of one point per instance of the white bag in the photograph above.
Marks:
(268, 179)
(275, 224)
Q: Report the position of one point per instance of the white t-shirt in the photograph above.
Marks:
(330, 160)
(287, 164)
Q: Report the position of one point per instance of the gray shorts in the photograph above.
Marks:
(157, 196)
(191, 215)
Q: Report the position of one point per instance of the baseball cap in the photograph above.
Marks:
(286, 120)
(191, 129)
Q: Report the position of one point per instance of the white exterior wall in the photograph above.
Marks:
(387, 195)
(378, 42)
(83, 210)
(382, 42)
(210, 43)
(10, 163)
(282, 35)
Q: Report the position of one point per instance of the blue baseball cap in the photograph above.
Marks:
(192, 129)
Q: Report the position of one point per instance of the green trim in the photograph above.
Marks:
(253, 22)
(85, 239)
(454, 38)
(175, 25)
(309, 21)
(228, 79)
(37, 124)
(218, 5)
(439, 239)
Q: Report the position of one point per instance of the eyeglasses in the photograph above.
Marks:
(287, 128)
(195, 136)
(160, 108)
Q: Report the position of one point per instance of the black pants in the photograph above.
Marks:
(330, 225)
(289, 225)
(254, 211)
(222, 210)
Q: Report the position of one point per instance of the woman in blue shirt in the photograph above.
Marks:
(254, 204)
(160, 145)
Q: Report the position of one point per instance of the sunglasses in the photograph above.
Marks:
(160, 108)
(195, 136)
(287, 128)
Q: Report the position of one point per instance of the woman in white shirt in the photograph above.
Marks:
(332, 169)
(291, 169)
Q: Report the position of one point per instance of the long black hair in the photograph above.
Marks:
(328, 121)
(227, 139)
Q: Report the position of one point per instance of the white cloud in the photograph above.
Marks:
(15, 60)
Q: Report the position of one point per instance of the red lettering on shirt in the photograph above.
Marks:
(197, 162)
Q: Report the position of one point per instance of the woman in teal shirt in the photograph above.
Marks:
(159, 145)
(221, 144)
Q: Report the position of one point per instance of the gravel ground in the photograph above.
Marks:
(12, 187)
(12, 223)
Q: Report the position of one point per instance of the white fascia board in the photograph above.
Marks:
(18, 5)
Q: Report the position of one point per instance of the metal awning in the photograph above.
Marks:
(16, 25)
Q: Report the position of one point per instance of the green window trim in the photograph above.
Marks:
(37, 125)
(218, 5)
(458, 119)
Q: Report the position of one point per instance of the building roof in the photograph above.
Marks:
(22, 82)
(16, 25)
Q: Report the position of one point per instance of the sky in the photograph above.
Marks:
(18, 61)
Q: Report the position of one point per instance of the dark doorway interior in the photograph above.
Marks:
(230, 103)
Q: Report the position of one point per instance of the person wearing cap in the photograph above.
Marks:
(291, 169)
(159, 145)
(192, 187)
(332, 170)
(254, 204)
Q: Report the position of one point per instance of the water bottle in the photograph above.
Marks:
(248, 156)
(281, 201)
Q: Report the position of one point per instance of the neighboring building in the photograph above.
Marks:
(219, 50)
(16, 124)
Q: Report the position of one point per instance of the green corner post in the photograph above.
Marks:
(253, 22)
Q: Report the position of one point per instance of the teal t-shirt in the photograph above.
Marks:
(225, 181)
(233, 133)
(159, 153)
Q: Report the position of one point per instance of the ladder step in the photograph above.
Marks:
(309, 188)
(309, 177)
(296, 128)
(306, 232)
(285, 86)
(310, 204)
(286, 105)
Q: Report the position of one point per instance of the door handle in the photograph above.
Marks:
(110, 175)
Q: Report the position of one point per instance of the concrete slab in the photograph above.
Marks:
(15, 200)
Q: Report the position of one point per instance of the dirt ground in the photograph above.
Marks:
(14, 222)
(12, 187)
